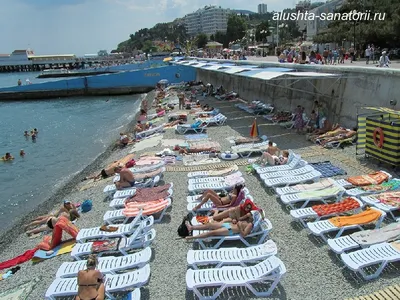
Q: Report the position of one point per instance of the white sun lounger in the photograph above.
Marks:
(296, 162)
(321, 228)
(124, 230)
(379, 255)
(216, 186)
(260, 233)
(210, 179)
(185, 128)
(269, 271)
(209, 205)
(291, 200)
(117, 216)
(315, 186)
(248, 151)
(118, 203)
(107, 265)
(151, 131)
(231, 256)
(249, 145)
(147, 168)
(371, 200)
(302, 214)
(346, 243)
(62, 287)
(218, 120)
(287, 173)
(199, 174)
(137, 240)
(149, 182)
(163, 169)
(285, 181)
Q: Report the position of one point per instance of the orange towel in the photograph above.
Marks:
(374, 178)
(365, 217)
(63, 224)
(346, 204)
(149, 208)
(202, 219)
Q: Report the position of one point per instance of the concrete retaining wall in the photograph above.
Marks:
(358, 87)
(137, 81)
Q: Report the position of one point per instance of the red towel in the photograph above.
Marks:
(18, 260)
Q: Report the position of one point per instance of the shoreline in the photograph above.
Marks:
(59, 194)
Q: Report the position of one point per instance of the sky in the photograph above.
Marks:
(87, 26)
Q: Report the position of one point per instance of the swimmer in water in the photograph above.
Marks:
(22, 152)
(33, 135)
(26, 133)
(7, 157)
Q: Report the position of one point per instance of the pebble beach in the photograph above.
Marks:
(313, 271)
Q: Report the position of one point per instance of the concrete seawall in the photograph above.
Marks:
(343, 96)
(137, 81)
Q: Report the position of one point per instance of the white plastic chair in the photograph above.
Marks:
(287, 173)
(285, 181)
(117, 203)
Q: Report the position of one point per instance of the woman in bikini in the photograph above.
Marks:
(68, 209)
(219, 201)
(243, 227)
(90, 281)
(274, 160)
(235, 214)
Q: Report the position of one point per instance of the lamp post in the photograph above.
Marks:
(262, 32)
(354, 35)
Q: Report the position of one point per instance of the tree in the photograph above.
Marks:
(236, 28)
(202, 40)
(212, 38)
(262, 31)
(148, 47)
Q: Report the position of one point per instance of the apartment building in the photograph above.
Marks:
(208, 20)
(317, 25)
(262, 8)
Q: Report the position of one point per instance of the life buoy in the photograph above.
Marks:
(379, 143)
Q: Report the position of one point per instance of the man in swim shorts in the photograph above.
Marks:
(126, 178)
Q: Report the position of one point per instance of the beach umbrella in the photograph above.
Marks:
(254, 133)
(167, 59)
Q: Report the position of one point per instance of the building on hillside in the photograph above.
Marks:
(262, 8)
(302, 6)
(208, 20)
(318, 24)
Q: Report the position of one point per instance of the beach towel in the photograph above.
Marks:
(132, 209)
(110, 245)
(27, 255)
(202, 219)
(141, 176)
(391, 185)
(149, 194)
(370, 237)
(346, 204)
(331, 191)
(62, 225)
(373, 178)
(396, 245)
(192, 137)
(223, 171)
(365, 217)
(245, 140)
(323, 184)
(327, 169)
(148, 160)
(389, 198)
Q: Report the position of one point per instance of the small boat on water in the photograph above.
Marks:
(55, 73)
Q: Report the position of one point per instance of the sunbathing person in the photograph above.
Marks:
(91, 281)
(342, 136)
(274, 160)
(124, 140)
(159, 108)
(109, 170)
(142, 127)
(333, 133)
(187, 150)
(50, 222)
(273, 150)
(234, 214)
(126, 178)
(243, 227)
(327, 126)
(217, 199)
(174, 123)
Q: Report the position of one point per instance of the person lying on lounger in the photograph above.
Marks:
(124, 140)
(174, 123)
(342, 136)
(274, 160)
(273, 150)
(217, 199)
(234, 214)
(142, 127)
(109, 170)
(243, 227)
(126, 178)
(91, 281)
(51, 220)
(327, 127)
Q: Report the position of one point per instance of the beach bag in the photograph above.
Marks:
(86, 206)
(182, 229)
(130, 163)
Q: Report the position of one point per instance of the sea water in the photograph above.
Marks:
(72, 133)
